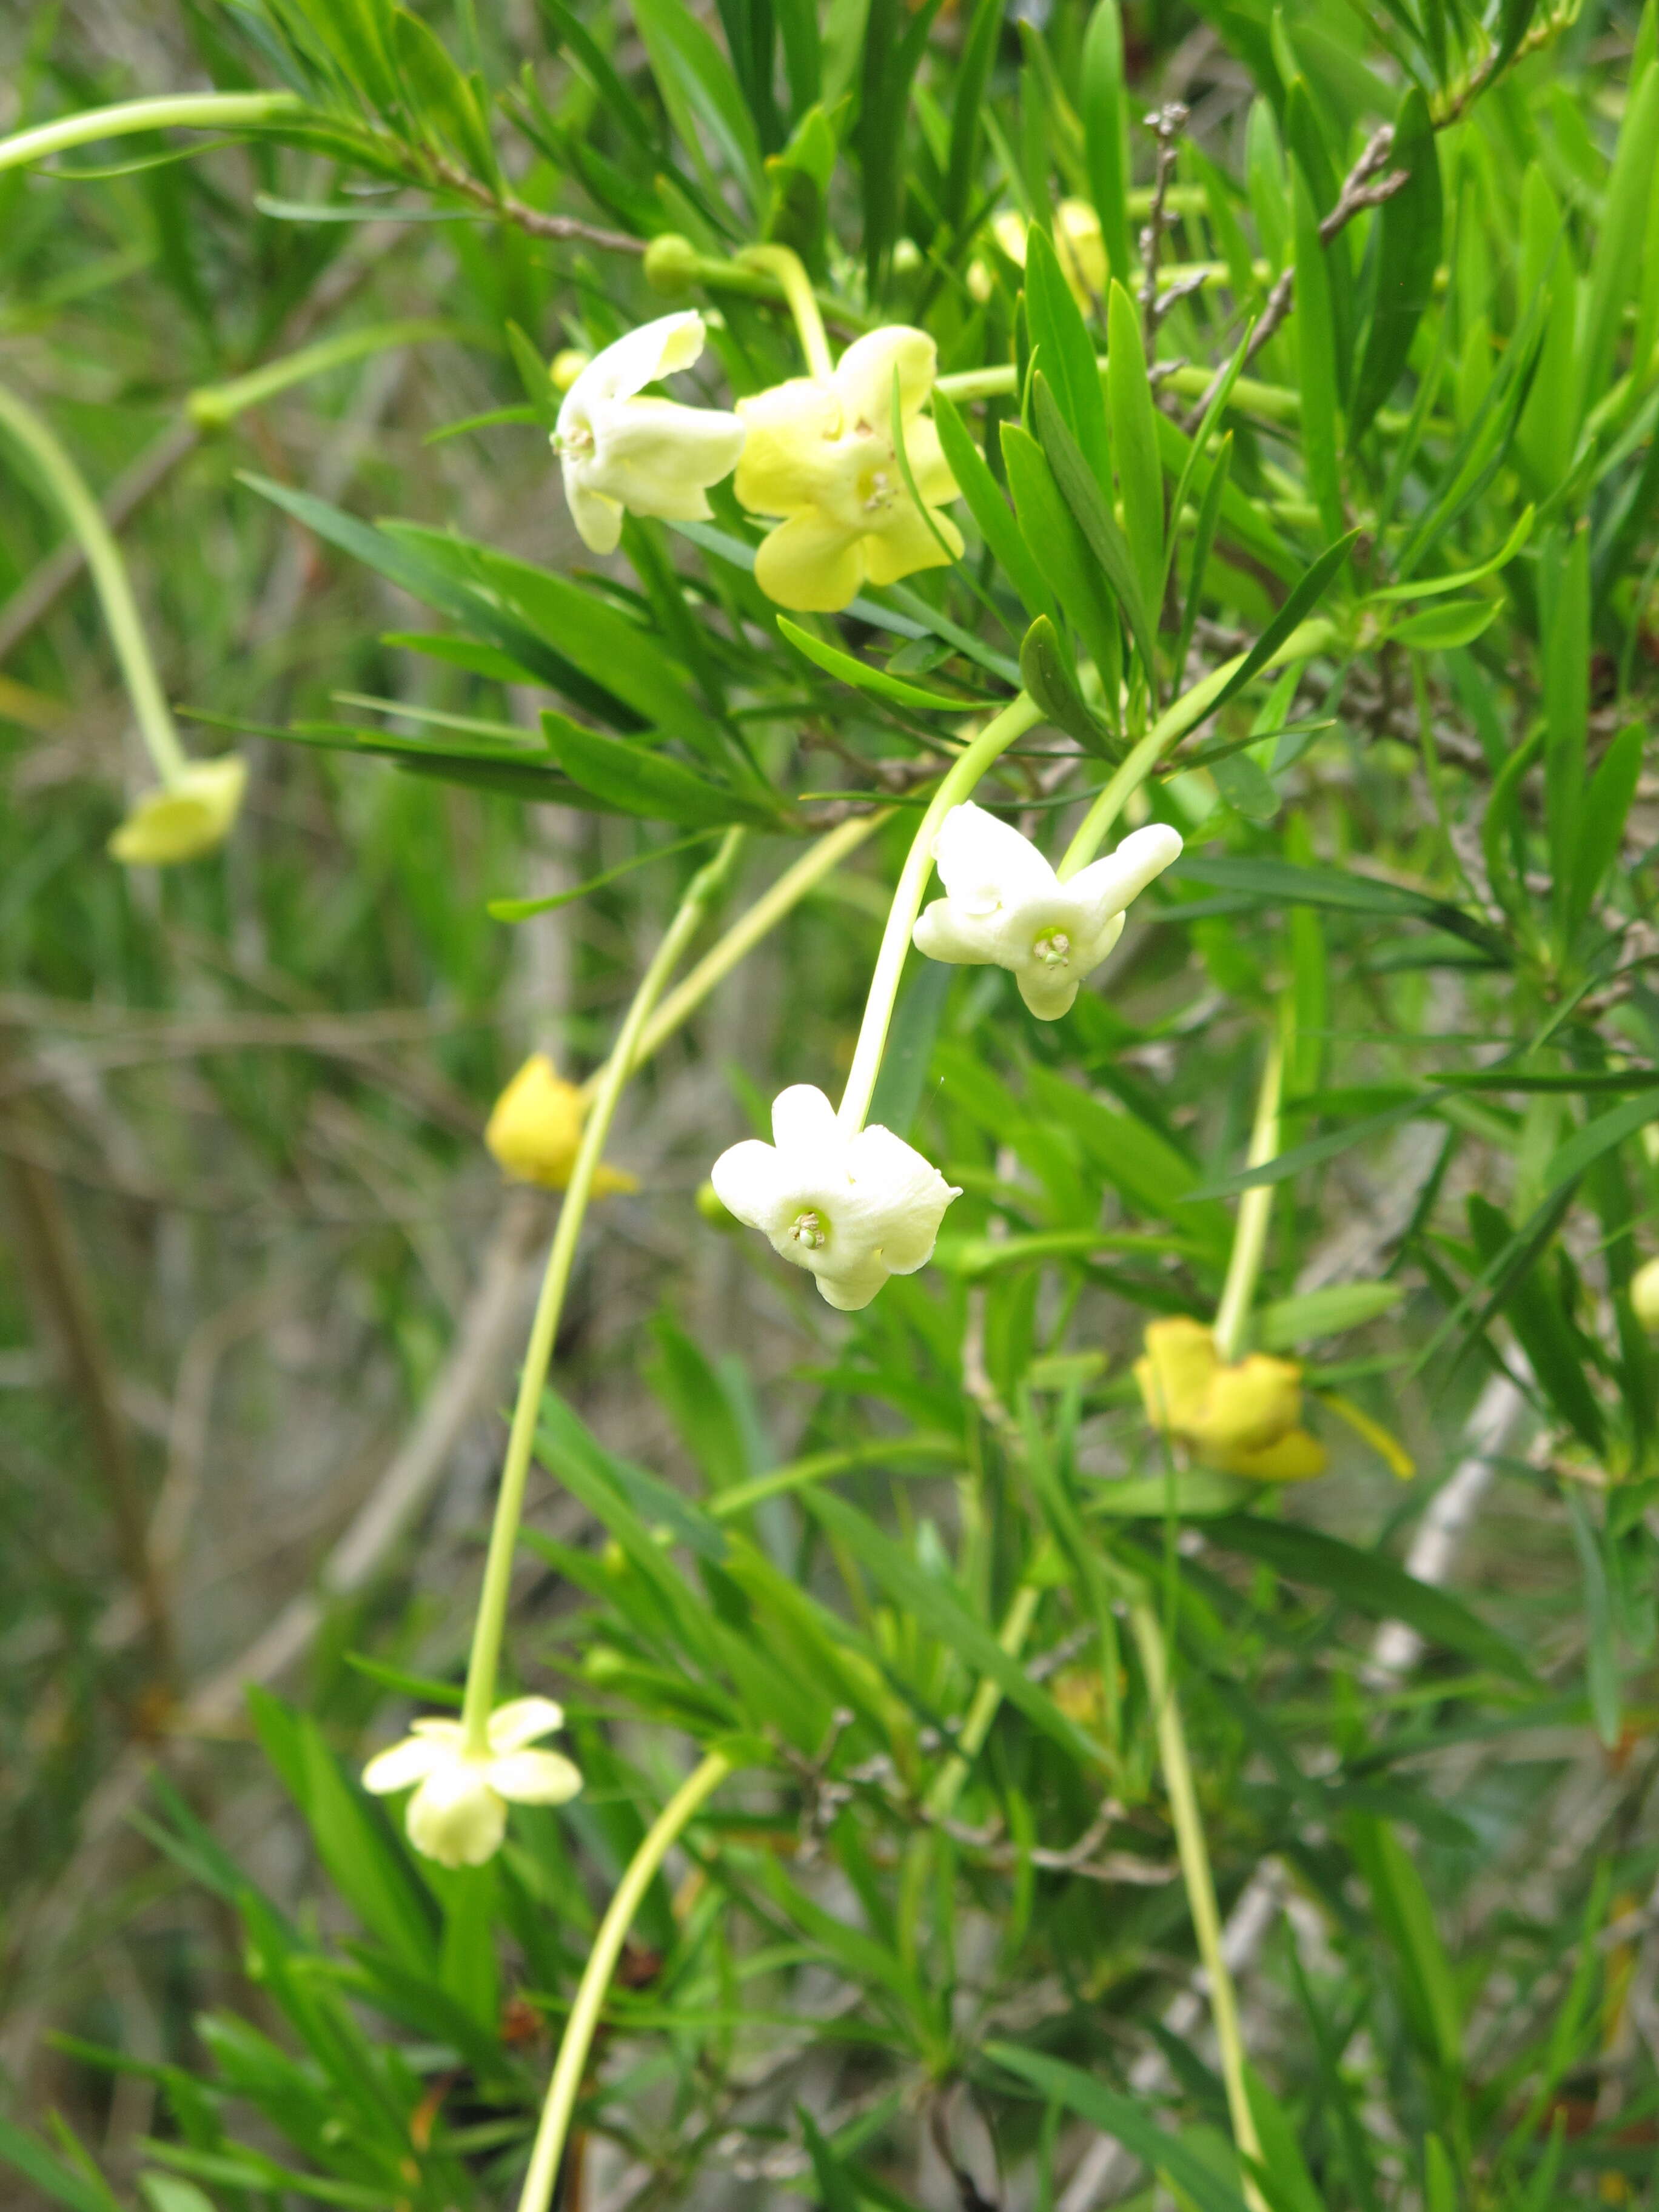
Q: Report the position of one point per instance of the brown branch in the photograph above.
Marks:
(561, 229)
(1167, 123)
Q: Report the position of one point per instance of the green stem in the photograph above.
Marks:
(1254, 1207)
(85, 517)
(956, 784)
(786, 267)
(184, 111)
(1200, 1885)
(487, 1631)
(572, 2062)
(987, 1699)
(1182, 715)
(791, 887)
(216, 406)
(1274, 402)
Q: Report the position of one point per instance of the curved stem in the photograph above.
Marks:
(769, 909)
(786, 267)
(181, 111)
(1254, 1207)
(956, 784)
(1200, 1885)
(485, 1655)
(572, 2062)
(80, 511)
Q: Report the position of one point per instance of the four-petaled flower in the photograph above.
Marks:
(1006, 905)
(458, 1814)
(535, 1127)
(184, 818)
(820, 453)
(854, 1210)
(1241, 1418)
(646, 456)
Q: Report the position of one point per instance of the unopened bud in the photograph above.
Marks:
(671, 263)
(1644, 1295)
(567, 366)
(712, 1211)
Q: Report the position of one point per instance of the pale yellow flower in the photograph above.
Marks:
(819, 453)
(1079, 247)
(622, 450)
(180, 820)
(535, 1129)
(458, 1814)
(1242, 1418)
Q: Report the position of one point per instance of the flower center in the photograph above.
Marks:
(809, 1230)
(577, 439)
(878, 491)
(1052, 949)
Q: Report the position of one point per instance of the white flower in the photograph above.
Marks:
(854, 1210)
(458, 1815)
(1004, 904)
(647, 456)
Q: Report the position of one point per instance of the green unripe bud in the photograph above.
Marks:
(713, 1211)
(671, 263)
(1644, 1296)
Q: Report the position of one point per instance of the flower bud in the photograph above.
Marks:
(567, 366)
(535, 1129)
(181, 820)
(713, 1210)
(671, 263)
(1644, 1295)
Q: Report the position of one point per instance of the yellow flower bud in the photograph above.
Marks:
(1644, 1295)
(1242, 1418)
(535, 1129)
(671, 263)
(180, 820)
(567, 366)
(713, 1209)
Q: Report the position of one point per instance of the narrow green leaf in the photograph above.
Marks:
(1316, 358)
(1406, 1917)
(1135, 442)
(1563, 592)
(1105, 112)
(1453, 622)
(1125, 2122)
(1094, 517)
(1056, 544)
(636, 781)
(1407, 252)
(1048, 680)
(863, 678)
(990, 511)
(1065, 355)
(1372, 1585)
(1601, 1653)
(1616, 264)
(1607, 809)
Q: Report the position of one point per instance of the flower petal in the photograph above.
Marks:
(945, 931)
(598, 520)
(656, 456)
(903, 1197)
(521, 1720)
(655, 350)
(789, 456)
(535, 1777)
(850, 1288)
(810, 564)
(1295, 1458)
(986, 865)
(1048, 992)
(928, 466)
(804, 1120)
(455, 1817)
(181, 820)
(1108, 885)
(904, 544)
(752, 1181)
(864, 374)
(405, 1763)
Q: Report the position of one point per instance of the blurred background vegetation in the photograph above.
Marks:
(262, 1289)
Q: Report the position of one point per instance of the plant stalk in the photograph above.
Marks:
(36, 441)
(485, 1656)
(956, 784)
(744, 934)
(183, 110)
(1255, 1208)
(1200, 1886)
(572, 2062)
(802, 300)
